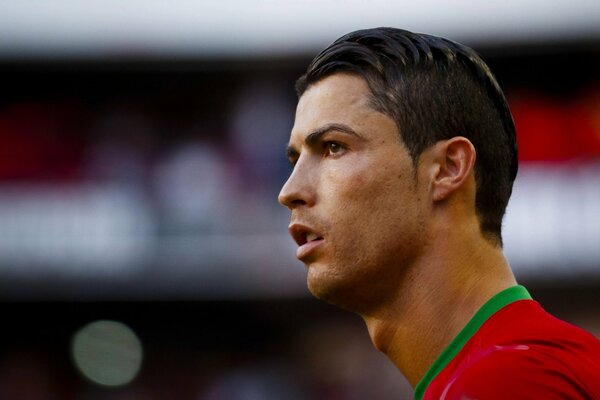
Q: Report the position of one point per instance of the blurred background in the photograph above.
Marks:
(143, 254)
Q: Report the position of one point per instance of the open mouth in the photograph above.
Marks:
(311, 237)
(308, 242)
(303, 235)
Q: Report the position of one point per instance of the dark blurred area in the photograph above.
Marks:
(143, 191)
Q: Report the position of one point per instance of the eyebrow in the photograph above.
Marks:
(315, 135)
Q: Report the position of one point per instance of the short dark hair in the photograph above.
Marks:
(434, 89)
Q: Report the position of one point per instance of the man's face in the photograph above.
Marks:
(355, 204)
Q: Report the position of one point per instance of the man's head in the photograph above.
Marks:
(383, 147)
(434, 89)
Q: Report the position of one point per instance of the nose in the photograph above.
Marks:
(299, 189)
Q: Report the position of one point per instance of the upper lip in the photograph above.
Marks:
(299, 233)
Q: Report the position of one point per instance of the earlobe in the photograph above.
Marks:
(456, 161)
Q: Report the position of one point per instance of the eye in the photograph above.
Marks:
(333, 148)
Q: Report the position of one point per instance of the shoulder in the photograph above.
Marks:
(522, 352)
(523, 371)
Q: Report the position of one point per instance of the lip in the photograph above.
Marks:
(305, 248)
(304, 251)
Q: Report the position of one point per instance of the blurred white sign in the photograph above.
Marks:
(72, 28)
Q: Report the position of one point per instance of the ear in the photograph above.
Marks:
(455, 161)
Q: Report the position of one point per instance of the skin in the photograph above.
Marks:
(399, 244)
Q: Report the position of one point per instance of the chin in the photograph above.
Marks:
(332, 289)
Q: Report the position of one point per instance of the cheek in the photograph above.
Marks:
(336, 185)
(348, 179)
(365, 197)
(367, 182)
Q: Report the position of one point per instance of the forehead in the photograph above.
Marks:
(341, 88)
(339, 98)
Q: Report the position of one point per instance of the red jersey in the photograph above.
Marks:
(513, 349)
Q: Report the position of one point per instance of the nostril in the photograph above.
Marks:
(291, 200)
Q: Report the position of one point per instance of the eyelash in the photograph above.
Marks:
(328, 149)
(327, 146)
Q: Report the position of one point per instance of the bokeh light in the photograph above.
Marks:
(107, 352)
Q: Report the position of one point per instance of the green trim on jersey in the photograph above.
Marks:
(493, 305)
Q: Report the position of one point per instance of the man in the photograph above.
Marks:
(404, 155)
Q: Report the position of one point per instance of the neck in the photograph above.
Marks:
(438, 298)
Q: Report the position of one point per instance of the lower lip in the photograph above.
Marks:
(307, 248)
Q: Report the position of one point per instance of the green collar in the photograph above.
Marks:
(493, 305)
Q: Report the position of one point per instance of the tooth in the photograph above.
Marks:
(311, 236)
